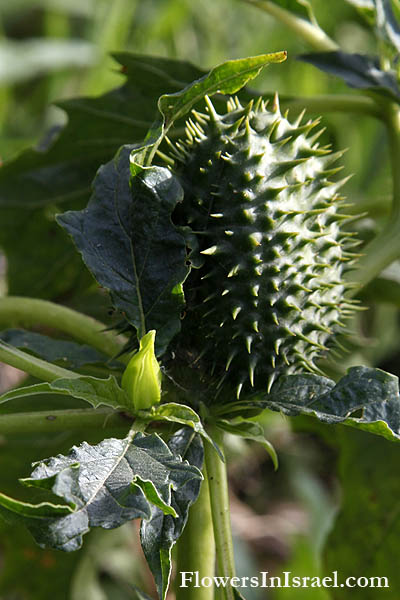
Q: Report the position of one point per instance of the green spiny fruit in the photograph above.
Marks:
(269, 292)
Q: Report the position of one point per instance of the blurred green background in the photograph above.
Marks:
(56, 49)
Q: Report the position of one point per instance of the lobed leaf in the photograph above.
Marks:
(129, 243)
(160, 532)
(357, 70)
(104, 486)
(364, 398)
(59, 171)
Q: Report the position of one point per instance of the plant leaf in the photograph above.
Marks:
(59, 172)
(160, 532)
(226, 78)
(93, 390)
(104, 485)
(178, 413)
(364, 398)
(129, 243)
(357, 70)
(70, 355)
(370, 488)
(249, 430)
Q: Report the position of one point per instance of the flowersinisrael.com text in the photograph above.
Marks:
(286, 579)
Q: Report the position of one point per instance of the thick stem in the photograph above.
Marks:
(385, 247)
(326, 103)
(29, 312)
(311, 33)
(47, 421)
(196, 548)
(219, 501)
(34, 366)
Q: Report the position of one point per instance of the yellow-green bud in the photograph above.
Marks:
(142, 377)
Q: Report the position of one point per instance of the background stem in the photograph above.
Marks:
(196, 547)
(47, 421)
(326, 103)
(31, 364)
(219, 501)
(311, 33)
(29, 312)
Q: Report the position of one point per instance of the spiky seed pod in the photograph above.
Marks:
(269, 293)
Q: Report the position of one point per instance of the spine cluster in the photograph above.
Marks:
(268, 293)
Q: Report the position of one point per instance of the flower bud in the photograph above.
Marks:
(142, 377)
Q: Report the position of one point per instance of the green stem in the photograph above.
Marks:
(326, 103)
(196, 549)
(47, 421)
(29, 312)
(385, 247)
(311, 33)
(219, 500)
(34, 366)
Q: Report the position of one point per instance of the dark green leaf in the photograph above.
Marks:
(365, 536)
(159, 534)
(357, 70)
(104, 486)
(70, 355)
(364, 398)
(62, 169)
(250, 431)
(91, 389)
(57, 175)
(129, 243)
(47, 269)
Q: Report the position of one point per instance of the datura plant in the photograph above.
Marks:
(224, 244)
